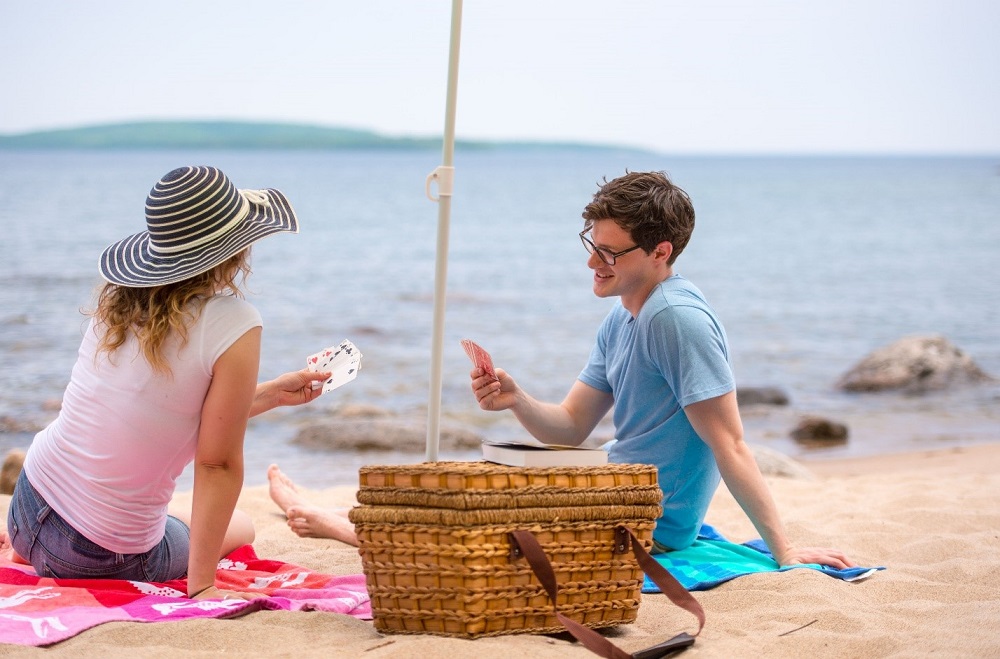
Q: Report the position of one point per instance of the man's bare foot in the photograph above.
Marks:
(304, 519)
(311, 522)
(283, 490)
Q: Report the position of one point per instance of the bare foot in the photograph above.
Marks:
(7, 552)
(283, 490)
(311, 522)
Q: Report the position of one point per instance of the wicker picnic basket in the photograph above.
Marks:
(438, 555)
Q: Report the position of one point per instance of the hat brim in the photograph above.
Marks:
(130, 262)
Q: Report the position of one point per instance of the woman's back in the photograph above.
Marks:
(131, 429)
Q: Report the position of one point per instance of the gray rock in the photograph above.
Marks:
(775, 463)
(761, 396)
(359, 410)
(365, 433)
(915, 364)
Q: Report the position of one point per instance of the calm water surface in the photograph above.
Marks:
(810, 262)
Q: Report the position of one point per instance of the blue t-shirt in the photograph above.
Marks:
(672, 354)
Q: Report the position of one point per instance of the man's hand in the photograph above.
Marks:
(294, 388)
(820, 555)
(493, 394)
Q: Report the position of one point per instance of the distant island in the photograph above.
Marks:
(248, 135)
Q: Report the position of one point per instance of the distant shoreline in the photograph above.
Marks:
(239, 135)
(277, 136)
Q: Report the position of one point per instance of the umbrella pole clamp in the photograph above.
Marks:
(445, 177)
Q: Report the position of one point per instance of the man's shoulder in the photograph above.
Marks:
(675, 293)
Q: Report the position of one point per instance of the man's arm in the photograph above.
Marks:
(717, 422)
(567, 424)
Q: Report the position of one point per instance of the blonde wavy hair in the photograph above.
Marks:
(152, 314)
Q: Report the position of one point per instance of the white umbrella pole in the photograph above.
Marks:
(445, 177)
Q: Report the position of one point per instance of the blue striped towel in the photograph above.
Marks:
(712, 560)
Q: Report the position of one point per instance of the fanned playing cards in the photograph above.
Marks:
(480, 357)
(343, 361)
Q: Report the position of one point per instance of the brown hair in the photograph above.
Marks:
(647, 205)
(153, 313)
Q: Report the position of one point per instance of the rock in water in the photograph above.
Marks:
(913, 363)
(817, 431)
(381, 434)
(761, 396)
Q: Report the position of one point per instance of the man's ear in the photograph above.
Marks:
(664, 250)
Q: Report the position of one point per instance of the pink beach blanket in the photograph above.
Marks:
(40, 611)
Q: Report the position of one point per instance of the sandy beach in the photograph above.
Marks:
(931, 518)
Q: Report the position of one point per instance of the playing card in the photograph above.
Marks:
(480, 357)
(342, 361)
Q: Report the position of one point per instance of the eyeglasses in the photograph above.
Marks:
(606, 255)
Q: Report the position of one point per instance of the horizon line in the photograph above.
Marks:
(492, 141)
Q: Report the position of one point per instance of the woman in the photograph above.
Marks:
(166, 375)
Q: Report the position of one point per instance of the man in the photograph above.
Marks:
(661, 359)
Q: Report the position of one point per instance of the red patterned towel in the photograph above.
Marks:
(40, 611)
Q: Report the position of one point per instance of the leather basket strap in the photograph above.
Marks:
(666, 582)
(590, 639)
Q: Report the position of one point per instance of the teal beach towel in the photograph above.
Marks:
(712, 560)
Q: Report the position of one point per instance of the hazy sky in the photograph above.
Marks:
(908, 76)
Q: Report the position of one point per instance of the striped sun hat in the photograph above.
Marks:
(195, 220)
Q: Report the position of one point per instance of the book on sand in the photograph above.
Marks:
(520, 455)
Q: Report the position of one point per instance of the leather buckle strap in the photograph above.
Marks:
(524, 543)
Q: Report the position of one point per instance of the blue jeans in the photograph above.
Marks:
(55, 549)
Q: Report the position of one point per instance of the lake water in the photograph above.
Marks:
(810, 262)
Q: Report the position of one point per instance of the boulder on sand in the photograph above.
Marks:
(774, 463)
(12, 464)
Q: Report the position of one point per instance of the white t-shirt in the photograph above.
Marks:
(109, 462)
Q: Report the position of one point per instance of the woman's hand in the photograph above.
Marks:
(294, 388)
